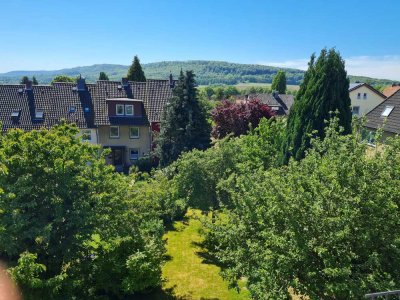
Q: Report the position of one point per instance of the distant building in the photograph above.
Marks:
(364, 98)
(120, 115)
(390, 90)
(386, 115)
(279, 103)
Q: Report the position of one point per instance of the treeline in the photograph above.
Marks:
(207, 72)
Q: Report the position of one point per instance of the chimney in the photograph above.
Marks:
(28, 85)
(171, 81)
(81, 84)
(125, 82)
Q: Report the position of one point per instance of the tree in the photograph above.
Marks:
(184, 125)
(325, 89)
(103, 76)
(135, 72)
(235, 118)
(69, 226)
(63, 78)
(326, 226)
(279, 82)
(34, 81)
(24, 80)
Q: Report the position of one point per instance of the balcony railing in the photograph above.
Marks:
(384, 295)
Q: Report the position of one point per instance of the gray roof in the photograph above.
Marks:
(375, 119)
(86, 108)
(281, 103)
(353, 86)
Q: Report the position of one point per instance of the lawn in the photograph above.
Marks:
(187, 275)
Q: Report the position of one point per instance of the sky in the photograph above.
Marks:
(49, 35)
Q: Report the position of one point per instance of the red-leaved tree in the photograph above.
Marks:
(236, 118)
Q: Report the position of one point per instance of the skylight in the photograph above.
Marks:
(87, 109)
(387, 111)
(39, 114)
(15, 113)
(72, 109)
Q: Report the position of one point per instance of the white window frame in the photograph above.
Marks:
(114, 137)
(134, 136)
(116, 109)
(130, 154)
(126, 110)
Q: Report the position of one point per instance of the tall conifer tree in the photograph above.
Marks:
(34, 81)
(24, 80)
(325, 89)
(103, 76)
(184, 125)
(279, 82)
(135, 72)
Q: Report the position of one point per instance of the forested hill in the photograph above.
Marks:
(207, 72)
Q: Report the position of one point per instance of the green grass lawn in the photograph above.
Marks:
(187, 275)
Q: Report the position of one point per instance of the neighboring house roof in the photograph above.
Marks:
(390, 90)
(375, 119)
(280, 103)
(86, 107)
(354, 86)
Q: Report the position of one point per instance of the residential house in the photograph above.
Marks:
(121, 115)
(390, 90)
(364, 98)
(279, 103)
(386, 115)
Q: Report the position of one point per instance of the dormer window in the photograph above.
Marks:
(129, 110)
(120, 110)
(39, 114)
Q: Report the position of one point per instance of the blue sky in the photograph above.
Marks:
(48, 34)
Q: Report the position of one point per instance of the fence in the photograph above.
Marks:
(384, 295)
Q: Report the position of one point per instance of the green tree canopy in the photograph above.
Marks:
(24, 80)
(279, 82)
(325, 89)
(103, 76)
(63, 78)
(34, 81)
(70, 227)
(184, 125)
(135, 72)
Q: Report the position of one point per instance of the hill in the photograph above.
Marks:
(207, 72)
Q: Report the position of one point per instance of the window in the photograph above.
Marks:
(356, 110)
(134, 132)
(86, 109)
(365, 96)
(114, 132)
(134, 154)
(120, 110)
(72, 109)
(359, 96)
(15, 113)
(86, 135)
(129, 110)
(39, 114)
(386, 112)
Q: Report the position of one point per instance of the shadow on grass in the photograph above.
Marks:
(160, 294)
(206, 257)
(171, 226)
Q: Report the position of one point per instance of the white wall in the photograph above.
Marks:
(365, 105)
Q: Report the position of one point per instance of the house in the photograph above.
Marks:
(386, 115)
(364, 98)
(121, 115)
(279, 103)
(390, 90)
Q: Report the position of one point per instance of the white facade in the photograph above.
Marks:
(364, 99)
